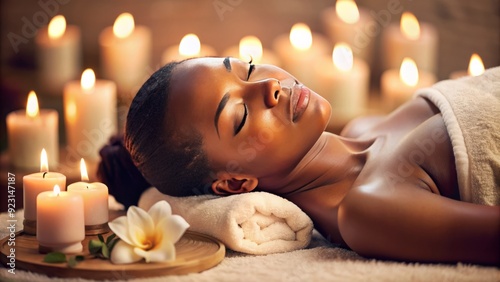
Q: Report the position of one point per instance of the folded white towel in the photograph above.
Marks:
(254, 223)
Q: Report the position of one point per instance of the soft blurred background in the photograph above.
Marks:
(464, 27)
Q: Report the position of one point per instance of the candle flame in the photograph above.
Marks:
(57, 27)
(409, 26)
(32, 105)
(83, 170)
(88, 79)
(347, 11)
(342, 57)
(190, 45)
(44, 163)
(124, 25)
(301, 36)
(250, 48)
(409, 72)
(476, 66)
(57, 190)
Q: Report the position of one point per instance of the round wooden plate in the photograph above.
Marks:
(195, 252)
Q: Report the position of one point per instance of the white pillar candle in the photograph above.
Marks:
(31, 130)
(250, 47)
(95, 198)
(126, 55)
(90, 114)
(58, 54)
(476, 67)
(344, 83)
(60, 222)
(298, 50)
(34, 184)
(352, 25)
(189, 47)
(412, 39)
(398, 86)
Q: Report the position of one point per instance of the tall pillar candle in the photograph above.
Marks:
(126, 55)
(95, 202)
(298, 50)
(90, 114)
(189, 47)
(31, 130)
(344, 83)
(412, 39)
(250, 47)
(60, 222)
(352, 25)
(58, 54)
(34, 184)
(398, 86)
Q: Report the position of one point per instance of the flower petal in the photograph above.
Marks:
(120, 227)
(124, 253)
(164, 251)
(160, 210)
(172, 228)
(140, 226)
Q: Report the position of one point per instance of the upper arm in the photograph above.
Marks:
(409, 223)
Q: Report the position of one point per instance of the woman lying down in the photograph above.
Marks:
(419, 185)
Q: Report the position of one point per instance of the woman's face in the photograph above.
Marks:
(254, 120)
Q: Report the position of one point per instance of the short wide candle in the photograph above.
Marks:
(95, 198)
(34, 184)
(60, 222)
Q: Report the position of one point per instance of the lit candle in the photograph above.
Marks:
(250, 47)
(412, 39)
(95, 202)
(298, 49)
(60, 222)
(189, 47)
(345, 84)
(34, 184)
(347, 23)
(398, 87)
(476, 67)
(126, 54)
(89, 114)
(58, 54)
(31, 130)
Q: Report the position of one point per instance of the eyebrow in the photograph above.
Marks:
(227, 64)
(221, 106)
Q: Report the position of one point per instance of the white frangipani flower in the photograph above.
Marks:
(150, 235)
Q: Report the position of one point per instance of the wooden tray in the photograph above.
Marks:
(195, 252)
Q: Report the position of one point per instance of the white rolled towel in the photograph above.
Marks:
(254, 223)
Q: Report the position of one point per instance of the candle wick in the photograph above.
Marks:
(43, 176)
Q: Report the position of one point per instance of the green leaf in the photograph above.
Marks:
(72, 262)
(112, 244)
(105, 251)
(79, 258)
(110, 238)
(95, 246)
(55, 257)
(100, 237)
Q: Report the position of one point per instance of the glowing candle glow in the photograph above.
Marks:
(34, 184)
(60, 221)
(413, 39)
(250, 46)
(125, 50)
(398, 85)
(95, 201)
(31, 130)
(344, 82)
(347, 11)
(58, 54)
(301, 36)
(90, 114)
(475, 68)
(189, 47)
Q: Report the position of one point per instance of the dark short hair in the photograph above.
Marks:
(170, 159)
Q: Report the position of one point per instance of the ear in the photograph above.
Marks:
(227, 185)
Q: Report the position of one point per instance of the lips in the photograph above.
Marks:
(299, 100)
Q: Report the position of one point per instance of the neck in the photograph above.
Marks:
(333, 160)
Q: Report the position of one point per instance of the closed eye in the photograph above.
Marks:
(243, 120)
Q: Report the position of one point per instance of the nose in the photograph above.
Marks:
(272, 89)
